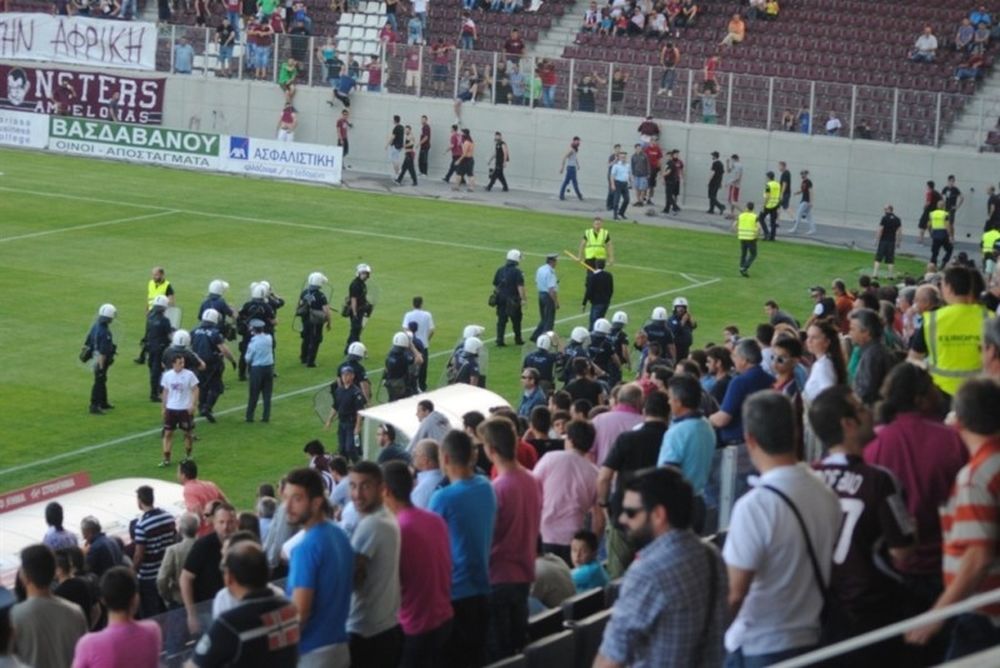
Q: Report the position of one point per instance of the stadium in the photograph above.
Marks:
(366, 194)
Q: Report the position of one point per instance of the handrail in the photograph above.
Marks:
(878, 635)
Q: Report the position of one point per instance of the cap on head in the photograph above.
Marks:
(680, 301)
(347, 368)
(161, 301)
(551, 257)
(620, 317)
(472, 346)
(316, 279)
(210, 315)
(579, 334)
(357, 349)
(514, 255)
(544, 342)
(400, 339)
(181, 339)
(659, 313)
(602, 326)
(218, 287)
(107, 311)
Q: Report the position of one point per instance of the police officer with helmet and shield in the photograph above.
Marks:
(619, 338)
(257, 308)
(314, 310)
(508, 297)
(348, 401)
(543, 360)
(158, 332)
(401, 366)
(602, 351)
(358, 308)
(100, 347)
(180, 344)
(209, 344)
(215, 300)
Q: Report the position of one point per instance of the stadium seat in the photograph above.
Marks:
(587, 635)
(583, 604)
(545, 624)
(554, 651)
(611, 592)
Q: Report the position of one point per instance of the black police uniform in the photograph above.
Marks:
(506, 282)
(347, 401)
(261, 632)
(683, 334)
(400, 365)
(359, 291)
(310, 309)
(205, 342)
(255, 309)
(420, 382)
(565, 363)
(275, 303)
(602, 351)
(100, 342)
(619, 339)
(158, 330)
(544, 362)
(658, 332)
(220, 305)
(191, 360)
(468, 369)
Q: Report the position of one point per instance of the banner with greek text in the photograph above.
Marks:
(107, 97)
(78, 40)
(137, 143)
(283, 160)
(23, 130)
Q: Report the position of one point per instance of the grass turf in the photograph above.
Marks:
(129, 218)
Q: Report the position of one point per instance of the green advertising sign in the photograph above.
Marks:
(138, 143)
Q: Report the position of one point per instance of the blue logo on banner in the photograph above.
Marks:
(239, 148)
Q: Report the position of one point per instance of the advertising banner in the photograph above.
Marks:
(137, 143)
(104, 97)
(43, 491)
(23, 130)
(78, 40)
(283, 160)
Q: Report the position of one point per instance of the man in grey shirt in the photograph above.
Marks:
(376, 636)
(640, 175)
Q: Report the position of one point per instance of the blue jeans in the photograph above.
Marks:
(804, 215)
(546, 315)
(390, 17)
(549, 96)
(345, 436)
(128, 8)
(597, 311)
(234, 21)
(738, 659)
(468, 43)
(570, 179)
(668, 79)
(469, 4)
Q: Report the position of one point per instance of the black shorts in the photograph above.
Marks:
(465, 166)
(177, 420)
(886, 252)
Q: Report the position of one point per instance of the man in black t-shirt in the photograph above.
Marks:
(804, 212)
(714, 183)
(201, 578)
(395, 145)
(887, 239)
(992, 209)
(262, 631)
(785, 179)
(953, 198)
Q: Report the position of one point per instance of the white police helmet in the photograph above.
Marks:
(210, 315)
(364, 269)
(659, 313)
(357, 349)
(107, 311)
(267, 286)
(472, 330)
(602, 326)
(472, 345)
(218, 287)
(514, 255)
(579, 334)
(620, 318)
(401, 339)
(680, 301)
(544, 343)
(316, 279)
(161, 301)
(259, 291)
(181, 338)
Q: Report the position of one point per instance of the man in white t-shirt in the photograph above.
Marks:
(180, 396)
(925, 48)
(423, 333)
(774, 593)
(420, 11)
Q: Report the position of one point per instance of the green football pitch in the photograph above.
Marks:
(77, 233)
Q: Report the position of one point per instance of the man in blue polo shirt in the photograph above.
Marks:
(689, 443)
(468, 506)
(320, 573)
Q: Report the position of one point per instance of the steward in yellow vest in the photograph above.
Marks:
(942, 233)
(596, 245)
(990, 245)
(158, 285)
(772, 200)
(747, 225)
(953, 334)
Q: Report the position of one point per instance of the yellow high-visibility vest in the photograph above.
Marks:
(990, 237)
(595, 247)
(939, 219)
(153, 291)
(953, 335)
(773, 194)
(746, 226)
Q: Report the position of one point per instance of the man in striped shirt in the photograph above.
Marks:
(969, 524)
(154, 533)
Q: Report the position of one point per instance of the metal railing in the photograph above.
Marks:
(737, 100)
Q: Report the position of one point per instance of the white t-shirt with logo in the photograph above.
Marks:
(180, 388)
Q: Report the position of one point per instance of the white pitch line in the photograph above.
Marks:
(305, 390)
(103, 223)
(323, 228)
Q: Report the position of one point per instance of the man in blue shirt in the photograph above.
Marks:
(468, 506)
(319, 573)
(548, 295)
(533, 394)
(183, 56)
(260, 359)
(620, 180)
(689, 443)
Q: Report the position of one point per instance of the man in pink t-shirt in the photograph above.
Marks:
(569, 490)
(198, 494)
(125, 642)
(425, 611)
(515, 540)
(625, 416)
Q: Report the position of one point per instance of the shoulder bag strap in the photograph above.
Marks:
(802, 525)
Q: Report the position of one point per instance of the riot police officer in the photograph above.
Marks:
(358, 306)
(578, 346)
(356, 352)
(400, 368)
(543, 360)
(420, 382)
(180, 344)
(314, 310)
(682, 327)
(619, 338)
(215, 300)
(275, 302)
(469, 371)
(657, 331)
(348, 401)
(100, 346)
(157, 338)
(208, 343)
(258, 308)
(508, 297)
(602, 351)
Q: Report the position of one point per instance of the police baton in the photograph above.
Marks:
(576, 259)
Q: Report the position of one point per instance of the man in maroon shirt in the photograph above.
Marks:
(513, 48)
(425, 145)
(455, 149)
(655, 156)
(343, 124)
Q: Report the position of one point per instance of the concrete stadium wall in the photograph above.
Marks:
(853, 179)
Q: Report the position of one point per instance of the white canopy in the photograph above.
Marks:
(113, 503)
(452, 401)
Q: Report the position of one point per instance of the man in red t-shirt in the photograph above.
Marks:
(455, 149)
(198, 494)
(513, 48)
(343, 124)
(655, 156)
